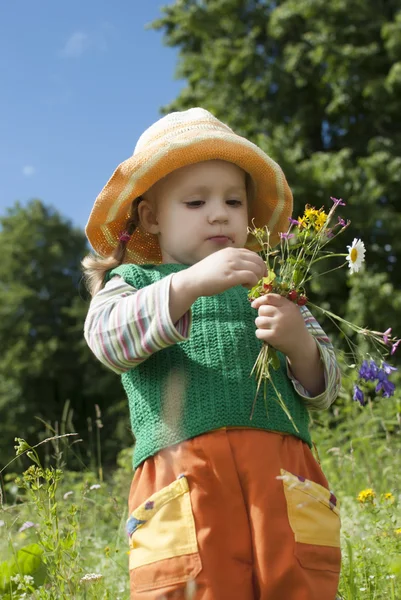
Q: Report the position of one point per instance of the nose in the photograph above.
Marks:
(218, 212)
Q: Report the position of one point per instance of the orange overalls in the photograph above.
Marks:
(234, 514)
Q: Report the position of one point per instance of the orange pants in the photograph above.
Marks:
(233, 514)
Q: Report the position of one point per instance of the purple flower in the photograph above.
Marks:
(386, 335)
(384, 384)
(358, 395)
(26, 525)
(394, 347)
(364, 371)
(374, 369)
(337, 201)
(388, 368)
(341, 221)
(388, 389)
(286, 236)
(293, 221)
(368, 371)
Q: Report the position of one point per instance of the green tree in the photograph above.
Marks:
(316, 84)
(44, 359)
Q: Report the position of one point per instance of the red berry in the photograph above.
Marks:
(267, 287)
(302, 300)
(292, 295)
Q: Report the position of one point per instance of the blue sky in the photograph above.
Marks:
(80, 81)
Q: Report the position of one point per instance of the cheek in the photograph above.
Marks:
(242, 223)
(244, 216)
(168, 220)
(178, 227)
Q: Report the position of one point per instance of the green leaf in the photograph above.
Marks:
(27, 561)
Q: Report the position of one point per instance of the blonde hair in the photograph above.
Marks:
(95, 267)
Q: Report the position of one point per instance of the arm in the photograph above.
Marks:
(315, 373)
(124, 326)
(182, 295)
(212, 275)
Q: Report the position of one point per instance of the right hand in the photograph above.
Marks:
(225, 269)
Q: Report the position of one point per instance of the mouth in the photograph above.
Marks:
(221, 239)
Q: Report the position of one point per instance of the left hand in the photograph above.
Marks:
(281, 324)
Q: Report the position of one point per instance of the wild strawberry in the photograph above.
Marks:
(302, 300)
(267, 287)
(292, 295)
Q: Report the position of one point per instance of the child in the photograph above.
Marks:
(221, 506)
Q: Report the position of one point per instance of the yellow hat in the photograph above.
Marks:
(177, 140)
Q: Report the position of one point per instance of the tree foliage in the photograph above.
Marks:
(44, 360)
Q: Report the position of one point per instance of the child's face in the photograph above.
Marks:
(197, 210)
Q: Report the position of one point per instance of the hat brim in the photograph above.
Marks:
(271, 205)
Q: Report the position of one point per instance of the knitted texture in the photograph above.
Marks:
(204, 383)
(174, 141)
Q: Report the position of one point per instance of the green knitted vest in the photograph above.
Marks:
(204, 383)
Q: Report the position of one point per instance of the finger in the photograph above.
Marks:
(247, 279)
(266, 310)
(267, 335)
(241, 266)
(254, 267)
(251, 256)
(272, 299)
(264, 323)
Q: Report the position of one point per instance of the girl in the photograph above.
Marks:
(221, 506)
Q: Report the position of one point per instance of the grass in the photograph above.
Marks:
(62, 533)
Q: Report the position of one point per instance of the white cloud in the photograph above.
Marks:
(76, 45)
(28, 170)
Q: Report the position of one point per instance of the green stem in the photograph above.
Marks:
(304, 281)
(359, 330)
(326, 256)
(32, 448)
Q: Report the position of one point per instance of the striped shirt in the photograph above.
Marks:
(125, 325)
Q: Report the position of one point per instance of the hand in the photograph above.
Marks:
(281, 324)
(223, 270)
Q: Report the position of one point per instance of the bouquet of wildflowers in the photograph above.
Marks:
(290, 268)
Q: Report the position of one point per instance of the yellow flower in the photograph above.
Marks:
(311, 213)
(302, 222)
(320, 220)
(367, 495)
(398, 531)
(389, 497)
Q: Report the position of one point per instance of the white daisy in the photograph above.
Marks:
(356, 255)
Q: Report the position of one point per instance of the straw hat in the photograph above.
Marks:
(177, 140)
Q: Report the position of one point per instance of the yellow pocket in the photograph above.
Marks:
(161, 530)
(314, 517)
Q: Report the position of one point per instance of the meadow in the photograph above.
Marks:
(63, 531)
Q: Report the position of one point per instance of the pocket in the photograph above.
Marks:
(314, 517)
(163, 544)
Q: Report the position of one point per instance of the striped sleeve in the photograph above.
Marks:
(124, 326)
(332, 373)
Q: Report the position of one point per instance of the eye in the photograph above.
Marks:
(195, 203)
(234, 202)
